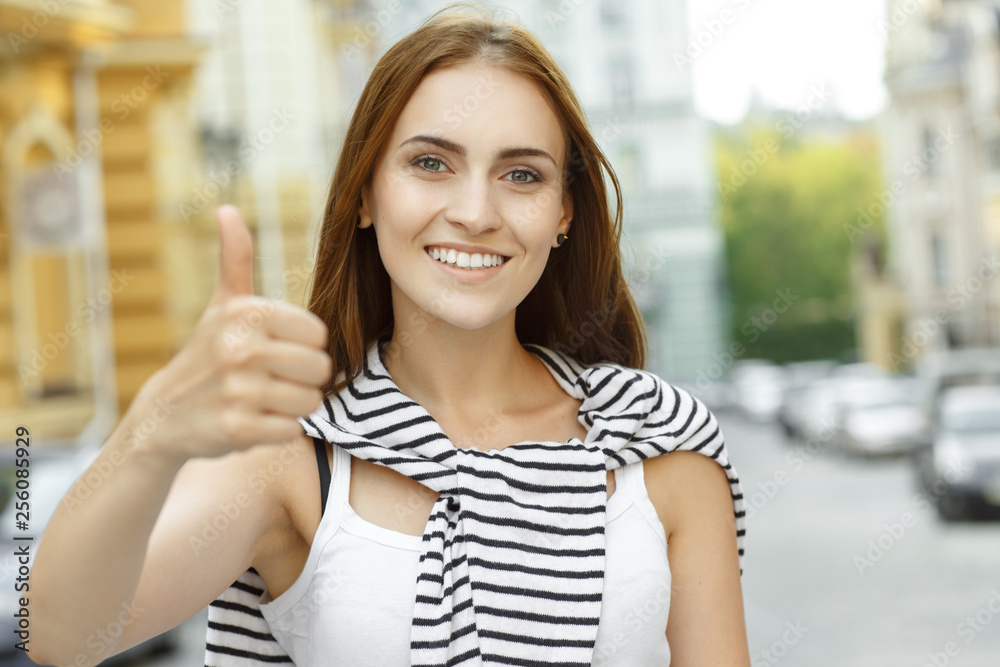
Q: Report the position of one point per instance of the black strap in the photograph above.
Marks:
(324, 472)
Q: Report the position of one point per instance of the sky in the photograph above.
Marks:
(784, 49)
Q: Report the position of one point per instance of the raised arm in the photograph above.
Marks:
(179, 518)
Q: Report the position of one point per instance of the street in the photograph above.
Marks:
(846, 564)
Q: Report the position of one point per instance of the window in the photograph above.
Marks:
(939, 259)
(622, 84)
(626, 166)
(993, 155)
(931, 156)
(614, 12)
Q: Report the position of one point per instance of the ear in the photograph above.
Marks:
(365, 212)
(566, 213)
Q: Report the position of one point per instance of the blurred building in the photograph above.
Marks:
(270, 106)
(941, 163)
(123, 125)
(621, 58)
(93, 126)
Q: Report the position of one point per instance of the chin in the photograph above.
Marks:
(464, 318)
(469, 323)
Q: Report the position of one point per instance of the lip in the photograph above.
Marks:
(465, 275)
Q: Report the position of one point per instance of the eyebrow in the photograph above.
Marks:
(502, 154)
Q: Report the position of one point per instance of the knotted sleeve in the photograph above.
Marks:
(680, 421)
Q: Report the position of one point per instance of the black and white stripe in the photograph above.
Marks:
(512, 566)
(237, 632)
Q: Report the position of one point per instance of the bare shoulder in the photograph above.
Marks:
(278, 470)
(288, 475)
(279, 483)
(262, 485)
(260, 472)
(688, 488)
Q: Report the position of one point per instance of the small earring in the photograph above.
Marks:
(561, 238)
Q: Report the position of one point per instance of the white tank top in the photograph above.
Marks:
(352, 606)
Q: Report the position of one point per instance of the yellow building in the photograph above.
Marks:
(880, 310)
(94, 135)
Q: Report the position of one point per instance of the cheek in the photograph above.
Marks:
(535, 218)
(401, 204)
(396, 206)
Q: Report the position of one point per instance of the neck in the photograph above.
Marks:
(463, 374)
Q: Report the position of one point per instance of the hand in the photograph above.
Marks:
(251, 367)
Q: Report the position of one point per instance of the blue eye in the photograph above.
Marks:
(429, 163)
(525, 176)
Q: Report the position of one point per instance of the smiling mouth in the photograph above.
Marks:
(464, 260)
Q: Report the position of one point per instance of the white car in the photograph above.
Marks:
(757, 388)
(883, 417)
(961, 470)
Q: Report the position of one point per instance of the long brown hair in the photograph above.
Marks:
(581, 305)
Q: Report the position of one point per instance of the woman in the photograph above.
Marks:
(491, 498)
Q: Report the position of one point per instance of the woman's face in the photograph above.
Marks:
(472, 167)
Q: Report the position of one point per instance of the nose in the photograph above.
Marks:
(472, 204)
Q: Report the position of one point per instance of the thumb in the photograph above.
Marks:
(236, 254)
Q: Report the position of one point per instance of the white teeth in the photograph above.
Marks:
(465, 260)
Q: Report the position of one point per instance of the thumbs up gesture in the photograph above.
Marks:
(251, 367)
(236, 256)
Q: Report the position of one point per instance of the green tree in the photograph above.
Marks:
(790, 214)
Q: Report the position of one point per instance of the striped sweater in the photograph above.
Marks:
(512, 564)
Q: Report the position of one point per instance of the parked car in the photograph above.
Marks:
(819, 412)
(53, 470)
(954, 368)
(799, 377)
(960, 471)
(757, 386)
(882, 416)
